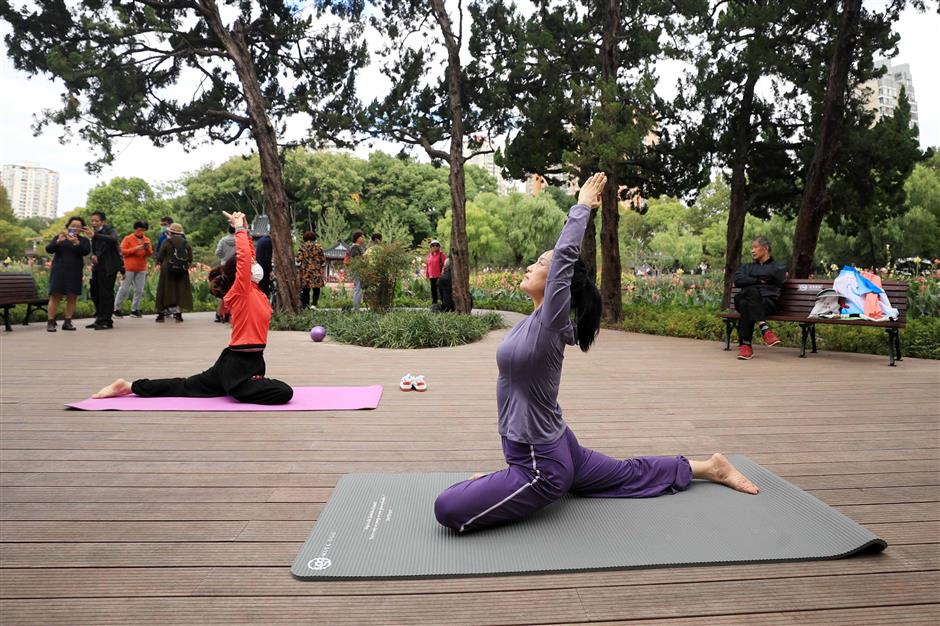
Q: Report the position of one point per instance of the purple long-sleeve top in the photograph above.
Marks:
(530, 356)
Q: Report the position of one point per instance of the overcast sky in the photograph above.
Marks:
(21, 97)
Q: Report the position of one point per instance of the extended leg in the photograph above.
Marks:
(600, 476)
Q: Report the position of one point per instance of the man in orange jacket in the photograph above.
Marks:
(136, 249)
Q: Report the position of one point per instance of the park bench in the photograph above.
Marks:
(797, 298)
(19, 288)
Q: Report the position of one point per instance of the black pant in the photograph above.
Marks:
(305, 296)
(434, 290)
(753, 308)
(236, 374)
(102, 294)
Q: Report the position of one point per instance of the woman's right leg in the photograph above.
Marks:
(305, 296)
(316, 296)
(537, 476)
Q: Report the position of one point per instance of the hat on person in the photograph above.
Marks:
(435, 242)
(176, 228)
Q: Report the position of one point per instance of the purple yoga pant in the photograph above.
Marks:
(541, 474)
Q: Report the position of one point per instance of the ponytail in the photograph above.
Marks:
(222, 278)
(586, 306)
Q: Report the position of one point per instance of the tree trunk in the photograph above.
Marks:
(274, 193)
(589, 241)
(816, 198)
(738, 209)
(589, 247)
(610, 252)
(610, 214)
(459, 250)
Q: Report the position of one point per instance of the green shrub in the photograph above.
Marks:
(381, 270)
(920, 338)
(397, 329)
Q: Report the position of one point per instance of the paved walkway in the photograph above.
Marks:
(165, 518)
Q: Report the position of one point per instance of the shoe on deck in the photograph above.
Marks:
(770, 339)
(419, 384)
(745, 353)
(406, 383)
(50, 326)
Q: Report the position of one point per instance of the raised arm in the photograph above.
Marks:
(244, 252)
(556, 306)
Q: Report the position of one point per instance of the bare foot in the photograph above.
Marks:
(120, 387)
(723, 472)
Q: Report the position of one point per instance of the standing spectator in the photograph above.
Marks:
(174, 291)
(358, 248)
(264, 253)
(312, 264)
(434, 267)
(65, 279)
(136, 248)
(445, 289)
(165, 223)
(105, 264)
(224, 251)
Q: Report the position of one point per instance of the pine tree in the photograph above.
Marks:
(124, 64)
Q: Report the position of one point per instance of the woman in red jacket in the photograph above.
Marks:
(434, 267)
(239, 370)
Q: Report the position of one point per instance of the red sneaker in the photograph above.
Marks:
(746, 353)
(770, 339)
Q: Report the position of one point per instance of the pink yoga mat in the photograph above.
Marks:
(305, 399)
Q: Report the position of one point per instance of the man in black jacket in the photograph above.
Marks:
(760, 284)
(106, 262)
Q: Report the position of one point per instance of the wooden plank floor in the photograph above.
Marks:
(172, 518)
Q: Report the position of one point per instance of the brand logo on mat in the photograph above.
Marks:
(319, 563)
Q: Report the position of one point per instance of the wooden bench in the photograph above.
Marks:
(797, 298)
(19, 288)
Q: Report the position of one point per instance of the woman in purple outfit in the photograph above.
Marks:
(544, 458)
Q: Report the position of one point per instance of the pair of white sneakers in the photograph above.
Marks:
(416, 383)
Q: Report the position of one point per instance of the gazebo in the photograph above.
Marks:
(336, 254)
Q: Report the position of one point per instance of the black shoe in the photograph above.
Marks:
(136, 314)
(178, 317)
(103, 326)
(92, 325)
(67, 325)
(218, 318)
(117, 313)
(50, 326)
(159, 319)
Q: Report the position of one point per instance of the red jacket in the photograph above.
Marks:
(434, 265)
(251, 311)
(135, 260)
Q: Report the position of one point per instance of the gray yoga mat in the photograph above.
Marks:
(383, 526)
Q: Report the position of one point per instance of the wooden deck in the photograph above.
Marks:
(166, 518)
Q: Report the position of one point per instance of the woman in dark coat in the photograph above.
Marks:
(65, 279)
(174, 291)
(312, 264)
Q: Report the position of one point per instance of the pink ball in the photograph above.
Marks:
(317, 333)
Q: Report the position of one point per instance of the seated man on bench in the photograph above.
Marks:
(760, 284)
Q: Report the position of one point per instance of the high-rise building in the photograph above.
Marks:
(33, 190)
(882, 93)
(487, 162)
